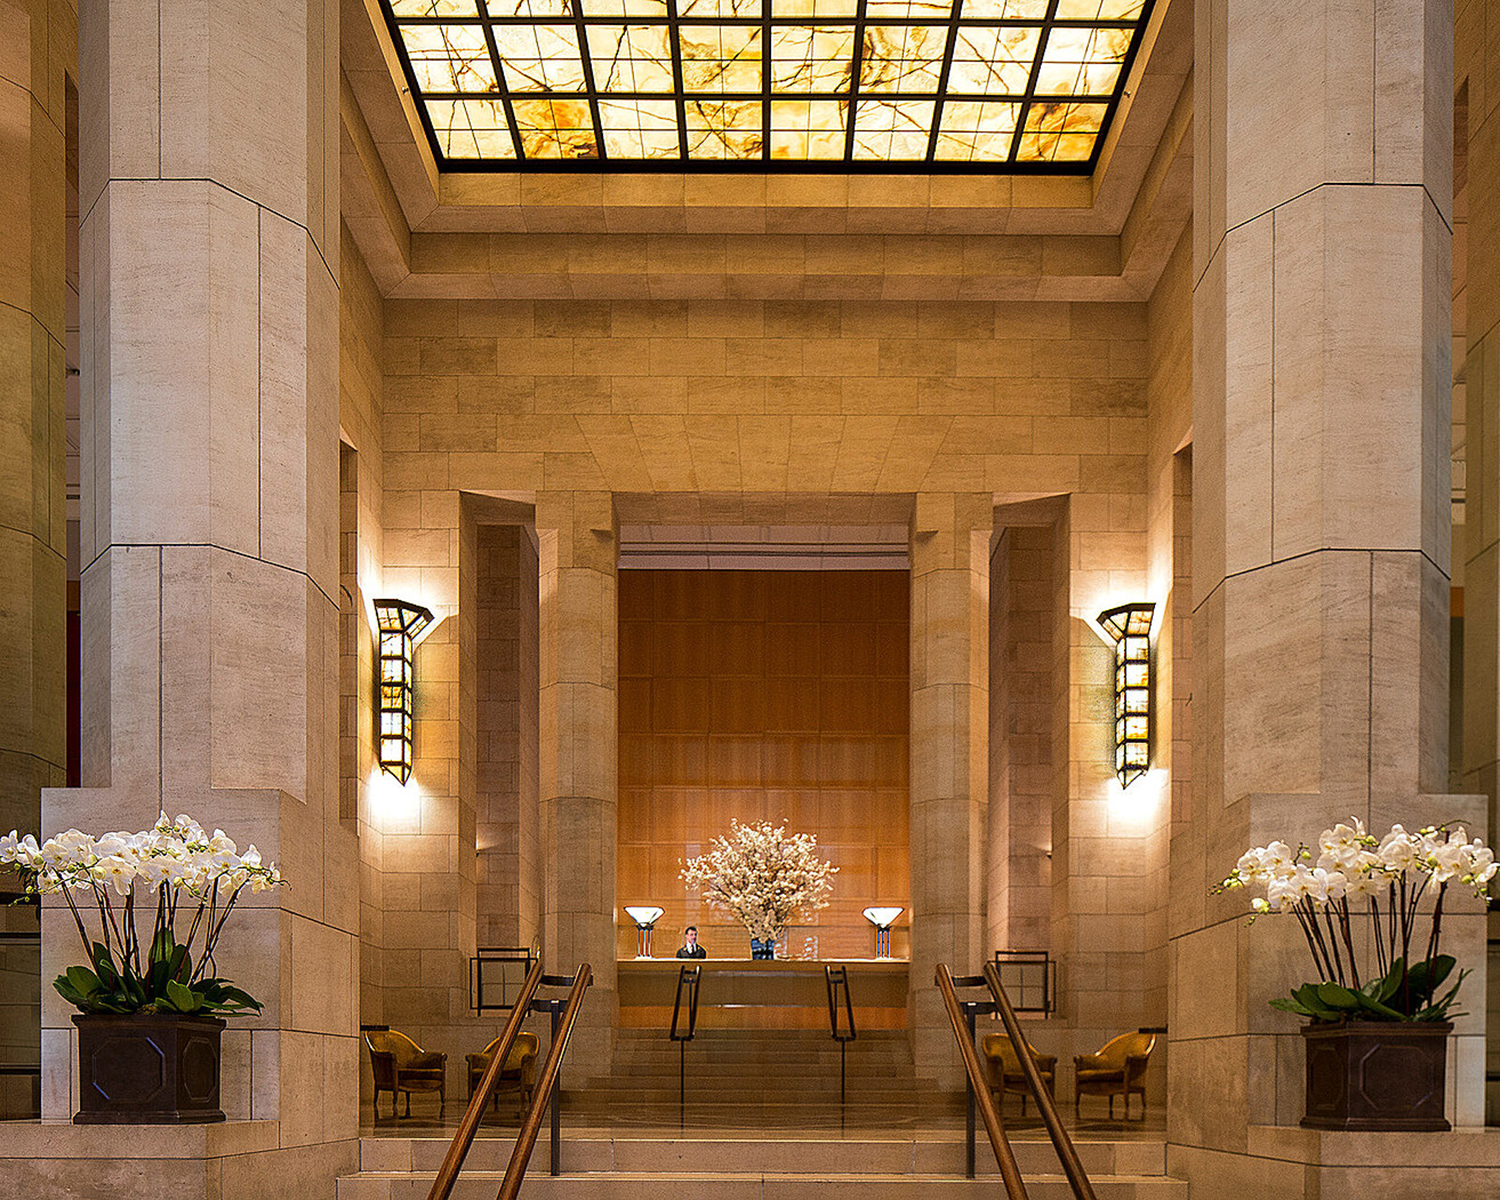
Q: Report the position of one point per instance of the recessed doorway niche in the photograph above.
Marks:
(778, 695)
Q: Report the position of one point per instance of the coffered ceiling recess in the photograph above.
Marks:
(783, 85)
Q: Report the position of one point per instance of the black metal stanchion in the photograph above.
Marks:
(969, 1104)
(971, 1009)
(556, 1009)
(687, 978)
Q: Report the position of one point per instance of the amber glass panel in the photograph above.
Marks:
(776, 695)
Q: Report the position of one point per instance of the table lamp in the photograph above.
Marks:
(645, 917)
(882, 918)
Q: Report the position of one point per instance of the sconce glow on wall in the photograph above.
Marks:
(1130, 626)
(398, 624)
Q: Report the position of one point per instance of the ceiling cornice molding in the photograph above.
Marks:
(369, 204)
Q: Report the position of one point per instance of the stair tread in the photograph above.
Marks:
(831, 1177)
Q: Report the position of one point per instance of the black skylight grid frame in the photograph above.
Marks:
(579, 20)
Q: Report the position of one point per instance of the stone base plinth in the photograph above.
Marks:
(1288, 1161)
(236, 1160)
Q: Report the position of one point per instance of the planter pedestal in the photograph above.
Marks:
(148, 1070)
(1376, 1075)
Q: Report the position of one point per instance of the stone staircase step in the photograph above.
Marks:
(782, 1156)
(483, 1185)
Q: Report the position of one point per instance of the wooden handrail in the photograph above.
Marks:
(453, 1161)
(515, 1172)
(1067, 1153)
(1010, 1173)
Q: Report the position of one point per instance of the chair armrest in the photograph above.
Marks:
(1045, 1062)
(477, 1062)
(429, 1060)
(1135, 1066)
(1090, 1062)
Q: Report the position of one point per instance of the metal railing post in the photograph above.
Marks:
(969, 1106)
(556, 1102)
(687, 977)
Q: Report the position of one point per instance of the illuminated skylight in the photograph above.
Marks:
(811, 85)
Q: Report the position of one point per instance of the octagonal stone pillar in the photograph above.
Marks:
(209, 398)
(578, 753)
(950, 662)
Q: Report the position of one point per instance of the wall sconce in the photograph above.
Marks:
(398, 623)
(882, 919)
(1130, 626)
(645, 917)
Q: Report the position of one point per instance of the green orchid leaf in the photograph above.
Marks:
(1427, 977)
(1307, 996)
(161, 946)
(1289, 1004)
(241, 1000)
(82, 980)
(77, 999)
(1438, 1009)
(1392, 981)
(182, 997)
(181, 964)
(104, 966)
(1335, 996)
(1384, 1011)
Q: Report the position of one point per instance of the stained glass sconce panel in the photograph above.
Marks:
(1130, 627)
(398, 624)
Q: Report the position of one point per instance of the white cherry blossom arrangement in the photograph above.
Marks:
(185, 875)
(1357, 877)
(762, 877)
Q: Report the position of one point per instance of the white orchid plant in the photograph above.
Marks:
(195, 878)
(1357, 876)
(762, 877)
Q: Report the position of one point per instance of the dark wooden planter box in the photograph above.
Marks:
(148, 1070)
(1376, 1075)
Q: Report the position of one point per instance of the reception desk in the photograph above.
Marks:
(742, 993)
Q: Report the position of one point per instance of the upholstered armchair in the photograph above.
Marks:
(400, 1065)
(1004, 1068)
(1116, 1069)
(517, 1075)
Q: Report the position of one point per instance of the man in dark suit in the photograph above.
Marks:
(690, 948)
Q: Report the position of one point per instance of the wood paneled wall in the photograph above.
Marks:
(764, 695)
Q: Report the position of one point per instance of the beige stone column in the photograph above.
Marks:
(950, 663)
(1478, 55)
(1320, 522)
(210, 309)
(577, 555)
(33, 518)
(33, 524)
(1478, 60)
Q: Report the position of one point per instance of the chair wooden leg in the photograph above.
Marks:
(1111, 1106)
(408, 1104)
